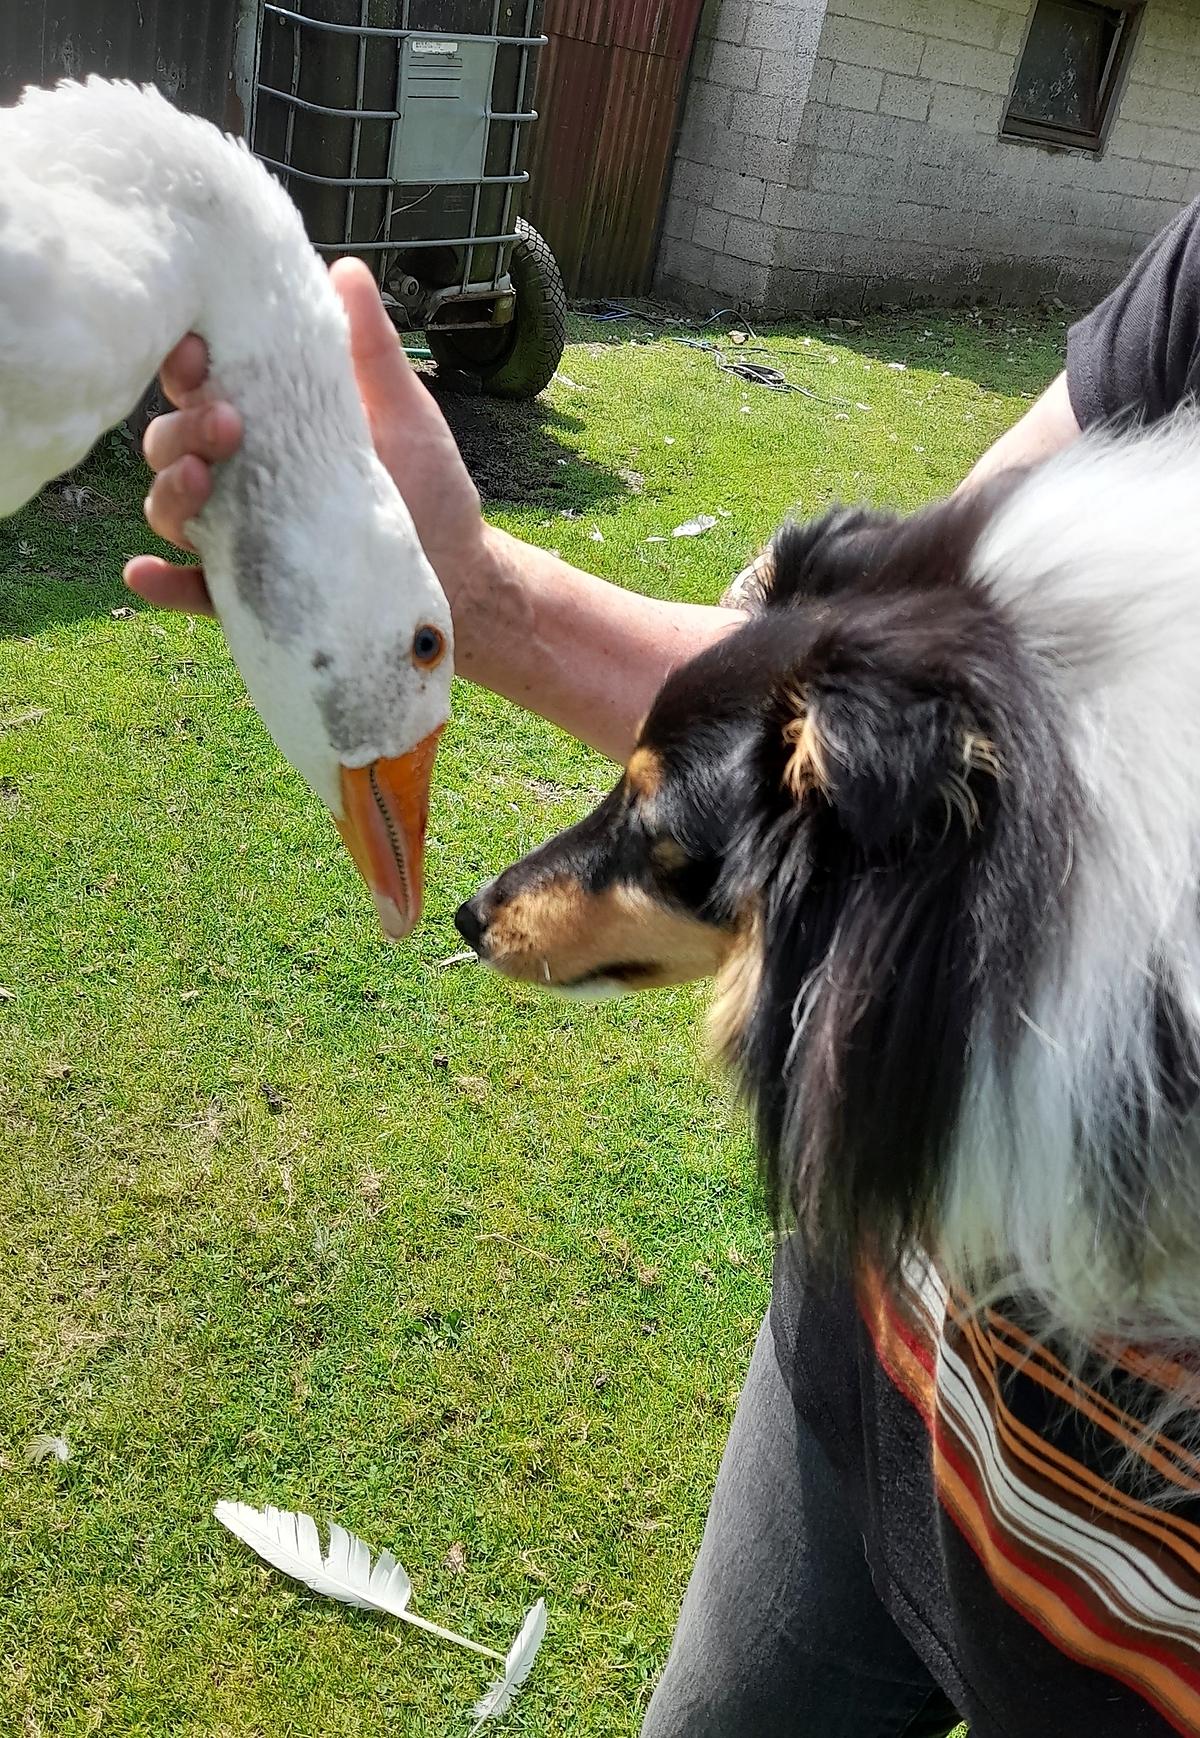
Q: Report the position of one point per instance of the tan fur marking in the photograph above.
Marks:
(737, 990)
(558, 933)
(668, 854)
(806, 769)
(979, 755)
(644, 773)
(519, 927)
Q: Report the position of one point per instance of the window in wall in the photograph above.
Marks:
(1070, 72)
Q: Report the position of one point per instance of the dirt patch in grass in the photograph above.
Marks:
(513, 452)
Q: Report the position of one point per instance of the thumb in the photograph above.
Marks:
(386, 379)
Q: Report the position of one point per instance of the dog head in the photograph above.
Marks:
(839, 717)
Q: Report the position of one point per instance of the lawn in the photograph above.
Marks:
(290, 1217)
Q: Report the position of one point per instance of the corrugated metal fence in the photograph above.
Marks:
(199, 52)
(609, 92)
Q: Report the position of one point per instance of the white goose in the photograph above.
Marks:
(125, 224)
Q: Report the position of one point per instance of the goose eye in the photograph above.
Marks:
(428, 647)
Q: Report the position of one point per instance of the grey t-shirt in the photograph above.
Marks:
(1138, 353)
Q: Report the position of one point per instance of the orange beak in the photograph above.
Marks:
(386, 807)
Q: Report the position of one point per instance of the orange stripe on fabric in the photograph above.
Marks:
(1052, 1612)
(1040, 1365)
(1035, 1452)
(909, 1365)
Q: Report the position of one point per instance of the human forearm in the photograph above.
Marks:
(588, 655)
(1047, 427)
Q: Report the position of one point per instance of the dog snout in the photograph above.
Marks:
(470, 922)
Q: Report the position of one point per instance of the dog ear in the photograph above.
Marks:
(883, 761)
(819, 558)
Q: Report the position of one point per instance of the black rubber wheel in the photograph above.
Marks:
(517, 360)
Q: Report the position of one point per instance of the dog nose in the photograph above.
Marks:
(469, 924)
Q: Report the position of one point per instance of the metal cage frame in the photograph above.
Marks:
(467, 288)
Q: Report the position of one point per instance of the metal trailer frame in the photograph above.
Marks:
(421, 306)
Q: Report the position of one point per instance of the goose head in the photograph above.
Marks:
(343, 636)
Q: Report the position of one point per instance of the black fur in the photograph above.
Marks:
(893, 927)
(901, 905)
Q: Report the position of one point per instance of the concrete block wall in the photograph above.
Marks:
(880, 177)
(746, 102)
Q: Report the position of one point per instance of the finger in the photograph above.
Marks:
(185, 370)
(172, 588)
(386, 378)
(178, 494)
(212, 432)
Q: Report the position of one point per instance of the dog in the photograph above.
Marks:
(931, 817)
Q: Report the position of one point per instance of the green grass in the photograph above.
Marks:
(290, 1217)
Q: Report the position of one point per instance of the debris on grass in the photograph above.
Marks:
(761, 374)
(346, 1572)
(70, 502)
(695, 527)
(468, 955)
(20, 719)
(756, 373)
(44, 1448)
(370, 1188)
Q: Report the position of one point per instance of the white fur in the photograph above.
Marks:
(1097, 559)
(125, 224)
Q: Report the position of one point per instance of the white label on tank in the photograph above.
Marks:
(435, 48)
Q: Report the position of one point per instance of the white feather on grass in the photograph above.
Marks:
(44, 1448)
(346, 1572)
(292, 1543)
(517, 1668)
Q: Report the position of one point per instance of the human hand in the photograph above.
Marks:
(410, 433)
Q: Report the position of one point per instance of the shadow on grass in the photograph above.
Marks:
(30, 603)
(990, 347)
(513, 451)
(61, 556)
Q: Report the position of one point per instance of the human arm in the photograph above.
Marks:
(1047, 426)
(587, 655)
(1136, 354)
